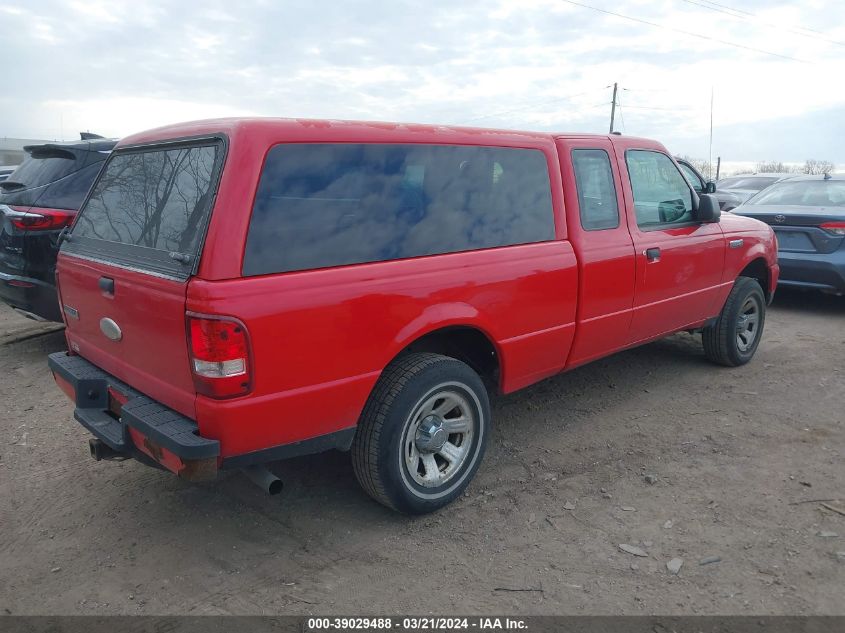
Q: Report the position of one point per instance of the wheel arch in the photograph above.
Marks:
(758, 269)
(465, 342)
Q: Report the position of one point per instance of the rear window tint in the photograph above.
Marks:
(69, 192)
(157, 198)
(321, 205)
(35, 172)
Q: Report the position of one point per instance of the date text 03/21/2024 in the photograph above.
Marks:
(416, 624)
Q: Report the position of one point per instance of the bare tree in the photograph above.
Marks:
(774, 167)
(701, 165)
(815, 166)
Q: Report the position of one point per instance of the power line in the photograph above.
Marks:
(751, 17)
(724, 6)
(718, 9)
(688, 33)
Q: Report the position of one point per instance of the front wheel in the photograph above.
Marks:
(734, 337)
(422, 433)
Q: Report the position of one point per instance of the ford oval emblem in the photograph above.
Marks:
(110, 329)
(780, 218)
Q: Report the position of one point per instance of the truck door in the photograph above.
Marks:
(600, 236)
(679, 260)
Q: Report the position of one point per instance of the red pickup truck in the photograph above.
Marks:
(242, 291)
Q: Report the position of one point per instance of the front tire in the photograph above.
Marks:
(734, 337)
(422, 434)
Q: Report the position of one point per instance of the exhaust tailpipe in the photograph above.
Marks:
(264, 479)
(100, 450)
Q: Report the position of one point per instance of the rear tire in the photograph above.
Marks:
(422, 433)
(734, 337)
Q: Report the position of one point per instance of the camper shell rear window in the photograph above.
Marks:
(150, 207)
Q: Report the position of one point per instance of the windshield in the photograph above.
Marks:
(755, 183)
(803, 193)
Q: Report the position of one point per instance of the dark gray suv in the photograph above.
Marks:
(37, 201)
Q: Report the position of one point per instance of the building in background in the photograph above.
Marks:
(11, 149)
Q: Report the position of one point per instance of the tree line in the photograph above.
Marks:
(811, 166)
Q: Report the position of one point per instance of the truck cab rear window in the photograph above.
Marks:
(154, 198)
(322, 205)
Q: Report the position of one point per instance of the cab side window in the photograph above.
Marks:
(596, 189)
(661, 194)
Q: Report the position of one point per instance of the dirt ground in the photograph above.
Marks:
(736, 455)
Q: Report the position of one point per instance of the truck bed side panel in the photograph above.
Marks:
(327, 334)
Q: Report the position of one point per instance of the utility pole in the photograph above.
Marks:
(613, 107)
(718, 166)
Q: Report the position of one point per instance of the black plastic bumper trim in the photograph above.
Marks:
(162, 425)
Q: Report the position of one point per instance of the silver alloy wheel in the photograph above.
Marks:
(747, 325)
(439, 437)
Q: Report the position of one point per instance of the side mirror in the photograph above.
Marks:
(710, 187)
(708, 209)
(64, 236)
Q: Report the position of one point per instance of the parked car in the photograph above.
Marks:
(241, 291)
(807, 214)
(6, 171)
(37, 202)
(694, 177)
(732, 192)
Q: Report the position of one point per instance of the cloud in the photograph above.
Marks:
(118, 67)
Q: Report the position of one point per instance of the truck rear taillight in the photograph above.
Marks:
(836, 228)
(40, 219)
(220, 357)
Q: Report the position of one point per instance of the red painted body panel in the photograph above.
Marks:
(605, 265)
(152, 354)
(758, 243)
(681, 289)
(321, 338)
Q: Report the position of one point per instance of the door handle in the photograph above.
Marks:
(652, 254)
(106, 285)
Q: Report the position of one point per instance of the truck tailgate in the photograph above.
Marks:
(124, 269)
(130, 324)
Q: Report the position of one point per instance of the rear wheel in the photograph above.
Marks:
(734, 338)
(422, 433)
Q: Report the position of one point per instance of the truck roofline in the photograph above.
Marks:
(446, 133)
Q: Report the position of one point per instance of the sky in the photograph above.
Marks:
(774, 68)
